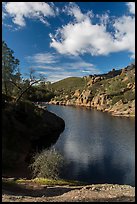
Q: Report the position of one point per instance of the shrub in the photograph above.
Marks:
(115, 99)
(116, 87)
(129, 95)
(47, 164)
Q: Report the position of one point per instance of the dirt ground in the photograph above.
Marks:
(89, 193)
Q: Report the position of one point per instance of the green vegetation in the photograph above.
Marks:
(129, 95)
(47, 164)
(115, 99)
(39, 94)
(10, 71)
(17, 87)
(68, 85)
(60, 182)
(25, 127)
(42, 181)
(106, 89)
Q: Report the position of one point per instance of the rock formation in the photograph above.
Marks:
(113, 92)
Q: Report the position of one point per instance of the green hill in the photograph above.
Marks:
(69, 84)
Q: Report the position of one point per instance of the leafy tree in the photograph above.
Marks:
(12, 84)
(10, 71)
(47, 164)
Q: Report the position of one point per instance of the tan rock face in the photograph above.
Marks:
(88, 104)
(95, 101)
(100, 102)
(85, 101)
(84, 97)
(93, 80)
(77, 93)
(86, 93)
(127, 109)
(123, 71)
(90, 83)
(104, 101)
(125, 78)
(97, 79)
(129, 85)
(88, 77)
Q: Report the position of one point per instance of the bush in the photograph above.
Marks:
(115, 99)
(47, 164)
(129, 95)
(116, 87)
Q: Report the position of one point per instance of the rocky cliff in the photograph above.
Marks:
(113, 92)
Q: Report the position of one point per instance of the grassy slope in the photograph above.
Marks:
(69, 84)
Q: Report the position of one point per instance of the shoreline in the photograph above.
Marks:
(30, 191)
(112, 113)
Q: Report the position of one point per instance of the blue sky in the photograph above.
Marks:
(63, 39)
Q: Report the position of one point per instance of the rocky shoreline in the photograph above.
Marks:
(113, 92)
(119, 109)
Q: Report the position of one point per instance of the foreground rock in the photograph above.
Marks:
(89, 193)
(26, 129)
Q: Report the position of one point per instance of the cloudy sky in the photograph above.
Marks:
(63, 39)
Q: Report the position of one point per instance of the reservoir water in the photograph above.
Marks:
(97, 147)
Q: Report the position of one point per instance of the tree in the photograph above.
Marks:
(47, 164)
(28, 83)
(10, 70)
(12, 84)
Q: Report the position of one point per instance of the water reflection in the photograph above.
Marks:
(97, 147)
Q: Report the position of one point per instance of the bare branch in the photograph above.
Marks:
(15, 84)
(30, 85)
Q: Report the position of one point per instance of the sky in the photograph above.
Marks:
(70, 39)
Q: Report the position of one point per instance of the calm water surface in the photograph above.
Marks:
(97, 147)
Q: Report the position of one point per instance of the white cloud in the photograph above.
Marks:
(104, 18)
(43, 58)
(125, 34)
(56, 68)
(80, 66)
(82, 36)
(73, 10)
(56, 76)
(47, 68)
(131, 6)
(21, 10)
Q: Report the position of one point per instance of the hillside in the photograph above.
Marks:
(113, 92)
(68, 84)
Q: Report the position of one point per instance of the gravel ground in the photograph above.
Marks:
(88, 193)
